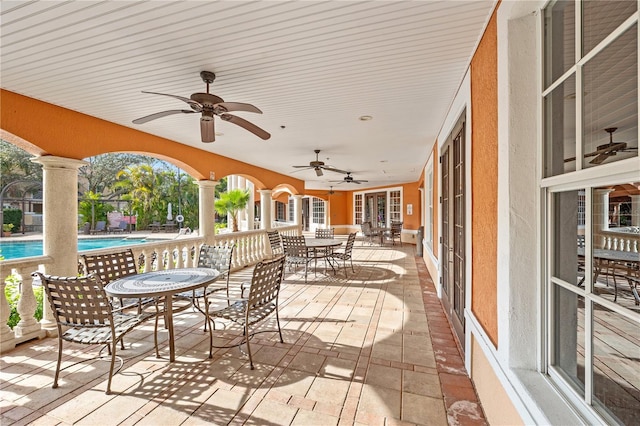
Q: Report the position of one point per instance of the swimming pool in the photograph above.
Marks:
(19, 249)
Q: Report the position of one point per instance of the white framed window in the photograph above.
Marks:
(590, 69)
(357, 209)
(281, 211)
(381, 206)
(291, 210)
(317, 211)
(395, 206)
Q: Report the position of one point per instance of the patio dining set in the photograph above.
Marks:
(111, 298)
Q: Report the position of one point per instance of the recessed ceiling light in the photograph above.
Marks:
(384, 161)
(366, 118)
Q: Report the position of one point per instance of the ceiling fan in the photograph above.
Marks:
(349, 179)
(209, 105)
(318, 166)
(606, 150)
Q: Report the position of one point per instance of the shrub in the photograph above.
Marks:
(13, 216)
(12, 292)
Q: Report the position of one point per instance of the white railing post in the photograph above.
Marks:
(27, 326)
(7, 336)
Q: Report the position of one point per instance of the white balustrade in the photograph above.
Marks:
(251, 247)
(620, 241)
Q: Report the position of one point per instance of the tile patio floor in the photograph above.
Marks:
(373, 349)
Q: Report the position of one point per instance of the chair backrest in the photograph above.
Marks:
(123, 225)
(77, 301)
(275, 243)
(366, 228)
(324, 232)
(396, 227)
(294, 245)
(86, 228)
(217, 257)
(110, 266)
(100, 225)
(350, 241)
(265, 284)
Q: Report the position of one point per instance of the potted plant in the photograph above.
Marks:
(231, 202)
(6, 229)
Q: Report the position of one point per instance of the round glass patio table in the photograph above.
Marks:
(166, 284)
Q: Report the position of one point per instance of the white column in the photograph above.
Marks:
(265, 209)
(60, 220)
(251, 206)
(297, 215)
(206, 210)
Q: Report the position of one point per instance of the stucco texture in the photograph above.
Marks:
(484, 175)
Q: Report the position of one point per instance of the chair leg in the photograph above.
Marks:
(55, 379)
(113, 362)
(278, 323)
(351, 260)
(247, 337)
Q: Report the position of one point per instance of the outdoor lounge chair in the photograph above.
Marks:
(101, 227)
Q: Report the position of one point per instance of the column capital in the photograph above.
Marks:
(297, 196)
(265, 191)
(54, 162)
(207, 183)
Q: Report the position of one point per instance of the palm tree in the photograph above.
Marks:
(231, 202)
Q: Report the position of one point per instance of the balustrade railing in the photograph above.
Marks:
(251, 247)
(620, 241)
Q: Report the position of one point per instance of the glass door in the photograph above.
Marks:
(376, 209)
(453, 274)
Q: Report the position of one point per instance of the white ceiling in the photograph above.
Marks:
(312, 67)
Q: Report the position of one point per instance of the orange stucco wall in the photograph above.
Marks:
(65, 133)
(484, 175)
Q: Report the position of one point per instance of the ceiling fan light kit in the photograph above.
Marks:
(319, 166)
(209, 105)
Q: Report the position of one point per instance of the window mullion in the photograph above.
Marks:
(588, 303)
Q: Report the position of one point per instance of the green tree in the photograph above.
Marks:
(99, 175)
(231, 202)
(92, 209)
(142, 183)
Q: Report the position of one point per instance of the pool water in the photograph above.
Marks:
(19, 249)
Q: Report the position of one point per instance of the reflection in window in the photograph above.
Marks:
(568, 356)
(568, 257)
(559, 28)
(600, 18)
(610, 102)
(560, 129)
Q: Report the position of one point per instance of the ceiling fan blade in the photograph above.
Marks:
(207, 130)
(246, 125)
(195, 105)
(333, 169)
(318, 171)
(599, 159)
(238, 106)
(147, 118)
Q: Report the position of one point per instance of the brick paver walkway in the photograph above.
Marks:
(374, 348)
